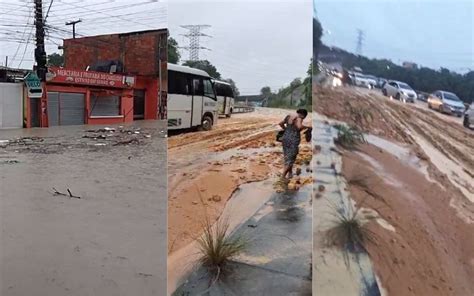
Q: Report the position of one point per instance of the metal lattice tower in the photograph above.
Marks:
(360, 41)
(194, 35)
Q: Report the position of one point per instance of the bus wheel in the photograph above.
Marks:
(206, 123)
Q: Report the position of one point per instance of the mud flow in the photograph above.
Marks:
(229, 174)
(413, 179)
(83, 210)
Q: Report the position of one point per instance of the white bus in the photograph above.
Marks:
(225, 98)
(192, 100)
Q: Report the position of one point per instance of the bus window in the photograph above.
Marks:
(208, 89)
(177, 83)
(228, 91)
(198, 87)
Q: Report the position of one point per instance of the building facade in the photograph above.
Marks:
(106, 79)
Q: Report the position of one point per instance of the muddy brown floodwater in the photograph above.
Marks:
(418, 177)
(111, 241)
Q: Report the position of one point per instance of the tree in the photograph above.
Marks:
(173, 53)
(295, 83)
(233, 86)
(204, 65)
(55, 59)
(317, 34)
(266, 91)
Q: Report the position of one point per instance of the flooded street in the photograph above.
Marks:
(105, 239)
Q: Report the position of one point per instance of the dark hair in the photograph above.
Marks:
(302, 112)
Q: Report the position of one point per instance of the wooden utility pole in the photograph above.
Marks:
(73, 24)
(40, 52)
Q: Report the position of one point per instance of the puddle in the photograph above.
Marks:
(401, 152)
(380, 171)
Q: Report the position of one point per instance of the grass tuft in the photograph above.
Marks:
(218, 247)
(348, 137)
(350, 233)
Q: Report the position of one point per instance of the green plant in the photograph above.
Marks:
(349, 232)
(348, 137)
(218, 247)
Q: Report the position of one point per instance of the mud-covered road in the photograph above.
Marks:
(111, 240)
(205, 168)
(417, 173)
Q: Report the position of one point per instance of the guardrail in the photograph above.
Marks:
(242, 109)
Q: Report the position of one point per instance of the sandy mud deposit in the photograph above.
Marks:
(111, 240)
(416, 173)
(206, 168)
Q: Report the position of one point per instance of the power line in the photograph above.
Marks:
(194, 37)
(73, 24)
(360, 40)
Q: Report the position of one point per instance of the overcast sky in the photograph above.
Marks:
(98, 17)
(256, 43)
(431, 33)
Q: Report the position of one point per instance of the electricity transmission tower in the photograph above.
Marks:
(360, 41)
(194, 35)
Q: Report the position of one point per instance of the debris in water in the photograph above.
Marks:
(321, 188)
(56, 192)
(298, 171)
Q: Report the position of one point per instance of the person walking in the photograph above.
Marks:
(292, 126)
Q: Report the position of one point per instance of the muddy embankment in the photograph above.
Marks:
(426, 193)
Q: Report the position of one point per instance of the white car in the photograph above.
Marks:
(363, 81)
(400, 91)
(469, 116)
(446, 102)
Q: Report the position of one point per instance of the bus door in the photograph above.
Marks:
(197, 101)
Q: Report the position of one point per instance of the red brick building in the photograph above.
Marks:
(106, 79)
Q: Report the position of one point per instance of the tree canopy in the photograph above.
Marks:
(173, 53)
(55, 59)
(204, 65)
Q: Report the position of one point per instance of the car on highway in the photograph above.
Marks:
(446, 102)
(381, 82)
(469, 116)
(422, 96)
(363, 80)
(399, 90)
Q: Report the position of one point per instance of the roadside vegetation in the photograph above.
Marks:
(217, 247)
(350, 232)
(348, 137)
(296, 95)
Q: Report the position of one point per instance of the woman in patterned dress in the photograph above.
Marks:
(292, 126)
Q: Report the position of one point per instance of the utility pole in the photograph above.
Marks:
(73, 23)
(40, 52)
(6, 62)
(194, 40)
(360, 41)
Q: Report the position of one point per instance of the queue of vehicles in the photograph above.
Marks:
(196, 100)
(441, 101)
